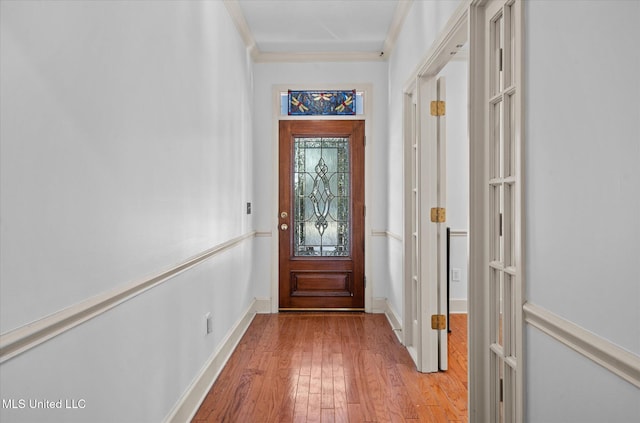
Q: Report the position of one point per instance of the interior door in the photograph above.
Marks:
(443, 300)
(321, 219)
(504, 195)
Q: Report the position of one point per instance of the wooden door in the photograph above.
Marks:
(321, 217)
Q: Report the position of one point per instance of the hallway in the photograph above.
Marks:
(334, 367)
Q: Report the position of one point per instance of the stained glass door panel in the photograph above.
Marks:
(321, 197)
(321, 218)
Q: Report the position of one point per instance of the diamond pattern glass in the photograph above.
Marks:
(321, 197)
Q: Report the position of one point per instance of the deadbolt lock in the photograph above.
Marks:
(284, 215)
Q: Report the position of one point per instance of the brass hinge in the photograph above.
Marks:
(438, 322)
(438, 108)
(438, 215)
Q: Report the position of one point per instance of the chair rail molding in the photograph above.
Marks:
(600, 350)
(30, 335)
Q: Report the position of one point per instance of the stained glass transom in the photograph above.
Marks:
(322, 102)
(321, 197)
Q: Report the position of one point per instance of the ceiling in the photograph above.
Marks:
(315, 29)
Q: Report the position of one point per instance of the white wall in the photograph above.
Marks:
(126, 149)
(268, 75)
(582, 200)
(422, 25)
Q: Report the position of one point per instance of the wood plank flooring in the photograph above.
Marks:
(334, 367)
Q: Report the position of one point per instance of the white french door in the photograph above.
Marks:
(420, 297)
(425, 240)
(504, 179)
(441, 227)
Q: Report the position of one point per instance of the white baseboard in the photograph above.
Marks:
(382, 306)
(379, 305)
(188, 405)
(262, 305)
(458, 306)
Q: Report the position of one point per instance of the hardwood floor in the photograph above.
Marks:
(334, 367)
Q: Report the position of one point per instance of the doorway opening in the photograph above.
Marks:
(493, 31)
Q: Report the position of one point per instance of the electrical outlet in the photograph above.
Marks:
(248, 208)
(455, 275)
(209, 321)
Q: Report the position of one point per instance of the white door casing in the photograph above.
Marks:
(441, 228)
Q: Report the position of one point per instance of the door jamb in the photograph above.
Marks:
(367, 89)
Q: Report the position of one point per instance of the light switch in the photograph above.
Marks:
(209, 321)
(248, 208)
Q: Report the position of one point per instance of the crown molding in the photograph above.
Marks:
(237, 15)
(400, 14)
(341, 56)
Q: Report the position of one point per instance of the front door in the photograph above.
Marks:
(321, 214)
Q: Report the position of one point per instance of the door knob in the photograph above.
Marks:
(284, 226)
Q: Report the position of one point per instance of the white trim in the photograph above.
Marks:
(600, 350)
(458, 232)
(458, 306)
(367, 89)
(454, 33)
(478, 311)
(301, 57)
(188, 404)
(237, 16)
(263, 234)
(399, 15)
(421, 86)
(394, 321)
(381, 306)
(28, 336)
(387, 234)
(263, 305)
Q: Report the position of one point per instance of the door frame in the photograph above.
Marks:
(423, 86)
(469, 18)
(367, 89)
